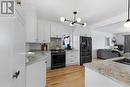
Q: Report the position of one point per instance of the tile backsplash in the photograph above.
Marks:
(56, 43)
(33, 46)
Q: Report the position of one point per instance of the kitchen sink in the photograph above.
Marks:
(123, 61)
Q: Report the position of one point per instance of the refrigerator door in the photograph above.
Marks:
(85, 50)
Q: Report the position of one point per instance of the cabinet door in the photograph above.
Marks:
(72, 58)
(48, 60)
(58, 30)
(44, 32)
(55, 30)
(44, 73)
(36, 75)
(31, 24)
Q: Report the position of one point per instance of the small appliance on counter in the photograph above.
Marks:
(44, 47)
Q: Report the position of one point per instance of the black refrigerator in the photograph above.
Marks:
(85, 50)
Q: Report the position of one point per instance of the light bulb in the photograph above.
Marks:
(127, 24)
(78, 19)
(84, 25)
(62, 19)
(71, 24)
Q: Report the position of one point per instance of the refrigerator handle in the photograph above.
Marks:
(87, 44)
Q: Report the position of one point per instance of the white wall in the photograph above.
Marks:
(98, 41)
(119, 38)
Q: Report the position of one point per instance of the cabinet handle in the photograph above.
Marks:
(45, 61)
(16, 74)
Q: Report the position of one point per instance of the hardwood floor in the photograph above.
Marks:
(71, 76)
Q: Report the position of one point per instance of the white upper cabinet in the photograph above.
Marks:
(55, 30)
(58, 30)
(82, 31)
(44, 31)
(31, 24)
(40, 31)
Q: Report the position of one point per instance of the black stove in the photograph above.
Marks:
(57, 50)
(123, 61)
(58, 58)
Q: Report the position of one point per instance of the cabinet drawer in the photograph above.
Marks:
(69, 55)
(72, 60)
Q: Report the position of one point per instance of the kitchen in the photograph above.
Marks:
(64, 44)
(59, 54)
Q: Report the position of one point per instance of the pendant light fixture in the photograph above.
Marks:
(127, 23)
(74, 21)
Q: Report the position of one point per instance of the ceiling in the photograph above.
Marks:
(114, 28)
(91, 11)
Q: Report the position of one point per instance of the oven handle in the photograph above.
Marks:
(57, 54)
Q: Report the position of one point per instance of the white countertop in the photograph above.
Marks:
(37, 57)
(113, 70)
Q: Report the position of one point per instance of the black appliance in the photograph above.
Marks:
(58, 58)
(85, 50)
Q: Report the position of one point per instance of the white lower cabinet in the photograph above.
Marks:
(94, 79)
(48, 60)
(72, 57)
(36, 74)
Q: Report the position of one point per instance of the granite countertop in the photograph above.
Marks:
(113, 70)
(36, 57)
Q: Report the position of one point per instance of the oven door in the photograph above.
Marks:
(58, 60)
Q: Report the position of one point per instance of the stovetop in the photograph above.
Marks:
(123, 61)
(57, 50)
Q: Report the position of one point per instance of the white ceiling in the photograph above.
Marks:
(91, 11)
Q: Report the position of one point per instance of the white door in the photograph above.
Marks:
(11, 44)
(18, 59)
(6, 46)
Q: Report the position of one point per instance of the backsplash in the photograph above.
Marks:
(33, 46)
(56, 43)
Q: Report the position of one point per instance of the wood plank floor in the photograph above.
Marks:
(71, 76)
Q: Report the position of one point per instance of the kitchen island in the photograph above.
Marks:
(107, 73)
